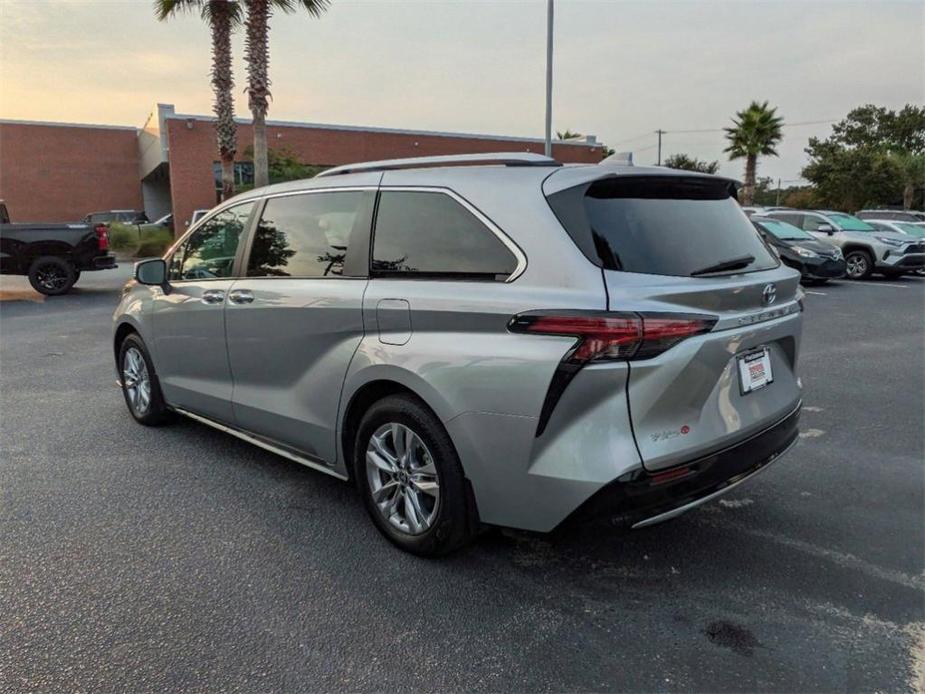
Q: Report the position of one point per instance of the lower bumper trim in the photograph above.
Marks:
(638, 498)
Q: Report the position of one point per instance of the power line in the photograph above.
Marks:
(720, 130)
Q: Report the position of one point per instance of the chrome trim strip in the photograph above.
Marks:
(250, 438)
(673, 513)
(502, 237)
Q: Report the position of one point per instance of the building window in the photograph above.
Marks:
(243, 176)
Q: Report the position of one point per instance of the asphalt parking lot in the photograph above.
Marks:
(179, 558)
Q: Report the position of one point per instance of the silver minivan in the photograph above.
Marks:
(480, 340)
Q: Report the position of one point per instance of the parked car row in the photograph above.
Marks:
(890, 247)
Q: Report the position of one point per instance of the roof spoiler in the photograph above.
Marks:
(499, 158)
(618, 159)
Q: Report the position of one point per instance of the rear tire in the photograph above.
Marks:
(140, 386)
(52, 276)
(409, 475)
(859, 265)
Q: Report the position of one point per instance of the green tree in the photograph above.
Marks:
(873, 157)
(567, 135)
(755, 132)
(257, 54)
(686, 163)
(222, 17)
(283, 165)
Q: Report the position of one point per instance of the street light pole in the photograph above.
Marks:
(549, 21)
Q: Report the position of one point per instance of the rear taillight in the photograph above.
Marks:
(606, 335)
(603, 336)
(102, 237)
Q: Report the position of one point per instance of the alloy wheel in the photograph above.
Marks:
(403, 479)
(51, 277)
(136, 381)
(857, 266)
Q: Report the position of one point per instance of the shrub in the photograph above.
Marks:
(154, 242)
(123, 237)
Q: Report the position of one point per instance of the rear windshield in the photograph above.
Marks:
(662, 225)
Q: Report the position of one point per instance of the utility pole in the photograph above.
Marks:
(659, 132)
(549, 21)
(778, 192)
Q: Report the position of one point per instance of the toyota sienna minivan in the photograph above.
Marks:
(479, 340)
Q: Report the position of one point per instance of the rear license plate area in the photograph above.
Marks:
(754, 370)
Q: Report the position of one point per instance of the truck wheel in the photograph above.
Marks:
(51, 276)
(859, 265)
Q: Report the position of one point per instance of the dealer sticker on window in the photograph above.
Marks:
(755, 370)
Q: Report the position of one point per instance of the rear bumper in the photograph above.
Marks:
(103, 262)
(638, 498)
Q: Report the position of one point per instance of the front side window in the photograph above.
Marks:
(305, 235)
(209, 252)
(420, 233)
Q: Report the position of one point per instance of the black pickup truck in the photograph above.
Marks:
(52, 255)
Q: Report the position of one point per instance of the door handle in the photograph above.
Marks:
(241, 296)
(213, 296)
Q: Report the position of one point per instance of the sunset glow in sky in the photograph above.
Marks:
(622, 70)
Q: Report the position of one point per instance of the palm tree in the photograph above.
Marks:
(222, 17)
(257, 54)
(755, 132)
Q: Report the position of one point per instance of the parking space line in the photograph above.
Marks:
(884, 284)
(816, 293)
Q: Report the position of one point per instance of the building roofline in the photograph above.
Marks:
(56, 124)
(392, 131)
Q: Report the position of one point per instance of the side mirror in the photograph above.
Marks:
(826, 229)
(152, 272)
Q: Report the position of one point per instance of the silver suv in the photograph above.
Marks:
(866, 249)
(510, 342)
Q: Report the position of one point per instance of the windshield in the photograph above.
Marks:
(784, 231)
(662, 225)
(847, 222)
(912, 229)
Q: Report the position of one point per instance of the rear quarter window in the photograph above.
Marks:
(661, 225)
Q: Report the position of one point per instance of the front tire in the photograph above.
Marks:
(411, 480)
(859, 265)
(140, 386)
(52, 276)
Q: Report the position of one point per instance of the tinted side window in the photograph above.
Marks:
(209, 252)
(424, 233)
(305, 235)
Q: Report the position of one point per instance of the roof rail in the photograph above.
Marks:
(499, 158)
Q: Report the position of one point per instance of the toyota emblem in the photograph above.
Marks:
(769, 294)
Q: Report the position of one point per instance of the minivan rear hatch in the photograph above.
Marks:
(676, 243)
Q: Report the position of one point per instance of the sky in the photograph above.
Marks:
(621, 69)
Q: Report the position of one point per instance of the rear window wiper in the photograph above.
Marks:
(731, 264)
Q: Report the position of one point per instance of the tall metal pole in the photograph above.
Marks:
(549, 19)
(660, 133)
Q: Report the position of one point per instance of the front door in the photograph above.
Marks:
(189, 319)
(296, 319)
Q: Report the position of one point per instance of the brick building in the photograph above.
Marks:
(60, 171)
